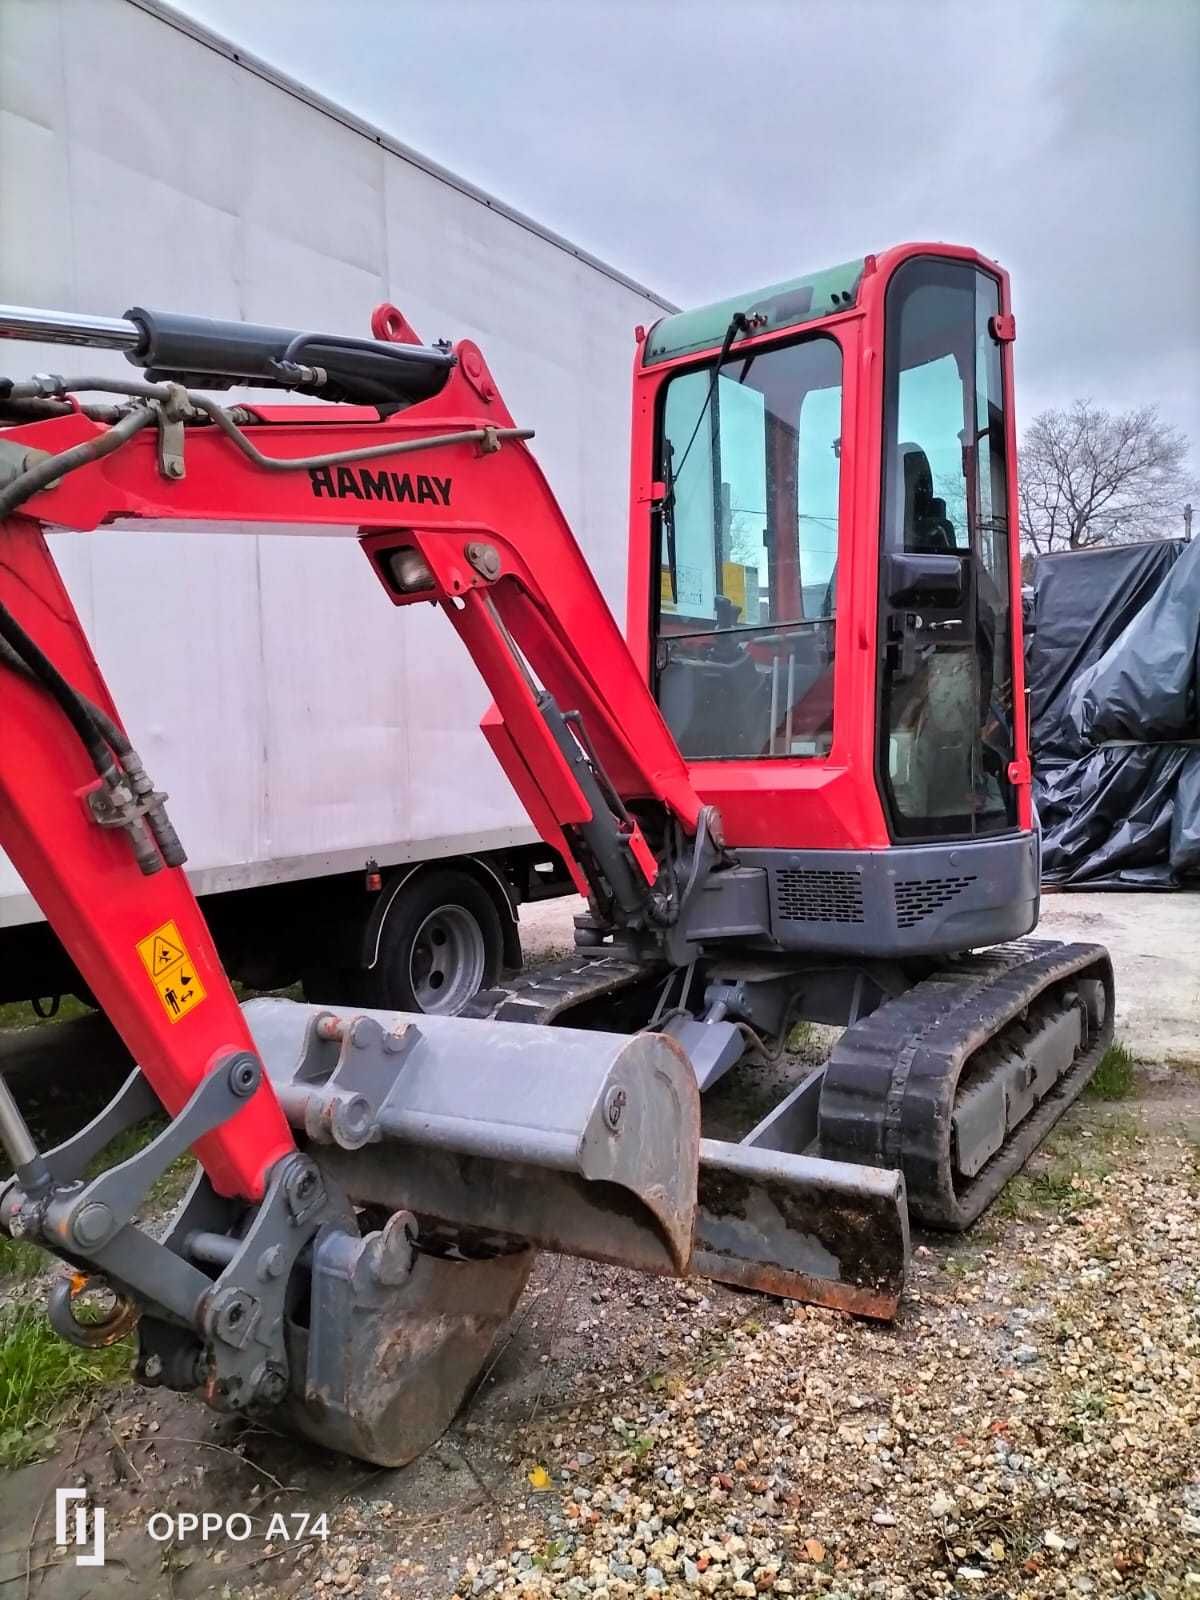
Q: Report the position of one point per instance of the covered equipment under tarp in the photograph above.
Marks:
(1113, 658)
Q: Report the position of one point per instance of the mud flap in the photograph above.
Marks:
(828, 1232)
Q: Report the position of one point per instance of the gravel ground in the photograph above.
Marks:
(1030, 1426)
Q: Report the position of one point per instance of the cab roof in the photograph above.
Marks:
(782, 305)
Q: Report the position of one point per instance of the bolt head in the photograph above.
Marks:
(243, 1076)
(614, 1107)
(92, 1225)
(272, 1387)
(272, 1262)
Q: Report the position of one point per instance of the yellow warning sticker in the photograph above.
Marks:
(172, 971)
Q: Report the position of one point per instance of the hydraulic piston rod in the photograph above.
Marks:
(68, 327)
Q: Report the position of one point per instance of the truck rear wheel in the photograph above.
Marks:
(441, 943)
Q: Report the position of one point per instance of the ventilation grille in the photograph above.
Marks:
(918, 898)
(807, 894)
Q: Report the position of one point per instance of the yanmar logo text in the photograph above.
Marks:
(360, 483)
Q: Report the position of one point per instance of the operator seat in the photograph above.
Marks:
(715, 701)
(926, 526)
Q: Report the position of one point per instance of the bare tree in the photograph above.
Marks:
(1089, 477)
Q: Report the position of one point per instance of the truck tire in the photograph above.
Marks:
(441, 943)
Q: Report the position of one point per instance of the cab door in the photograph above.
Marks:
(945, 701)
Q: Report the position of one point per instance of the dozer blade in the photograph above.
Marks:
(828, 1232)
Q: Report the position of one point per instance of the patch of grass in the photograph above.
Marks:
(1031, 1276)
(43, 1380)
(1061, 1187)
(20, 1014)
(1065, 1187)
(1087, 1403)
(166, 1189)
(800, 1037)
(1013, 1201)
(19, 1259)
(1113, 1079)
(638, 1444)
(548, 1556)
(1051, 1189)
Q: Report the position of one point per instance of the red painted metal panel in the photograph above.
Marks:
(99, 904)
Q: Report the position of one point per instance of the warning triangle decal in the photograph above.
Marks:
(165, 955)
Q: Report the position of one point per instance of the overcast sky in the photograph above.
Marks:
(708, 147)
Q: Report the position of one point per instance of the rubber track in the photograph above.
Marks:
(890, 1083)
(544, 995)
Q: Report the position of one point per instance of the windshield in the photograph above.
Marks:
(747, 555)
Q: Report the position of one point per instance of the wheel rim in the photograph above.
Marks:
(447, 962)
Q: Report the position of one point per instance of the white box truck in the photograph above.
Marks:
(346, 823)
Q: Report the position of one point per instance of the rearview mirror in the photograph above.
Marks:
(914, 576)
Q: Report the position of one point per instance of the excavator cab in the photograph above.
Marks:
(821, 590)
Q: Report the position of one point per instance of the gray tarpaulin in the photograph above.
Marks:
(1114, 672)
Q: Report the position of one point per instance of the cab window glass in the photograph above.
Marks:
(747, 555)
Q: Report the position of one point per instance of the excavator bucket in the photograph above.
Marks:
(473, 1142)
(585, 1143)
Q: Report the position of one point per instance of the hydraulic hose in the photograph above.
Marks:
(115, 736)
(113, 757)
(78, 711)
(43, 473)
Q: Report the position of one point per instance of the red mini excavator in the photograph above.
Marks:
(797, 788)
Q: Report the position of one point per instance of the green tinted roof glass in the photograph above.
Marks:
(783, 305)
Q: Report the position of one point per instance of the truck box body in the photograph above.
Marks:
(300, 724)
